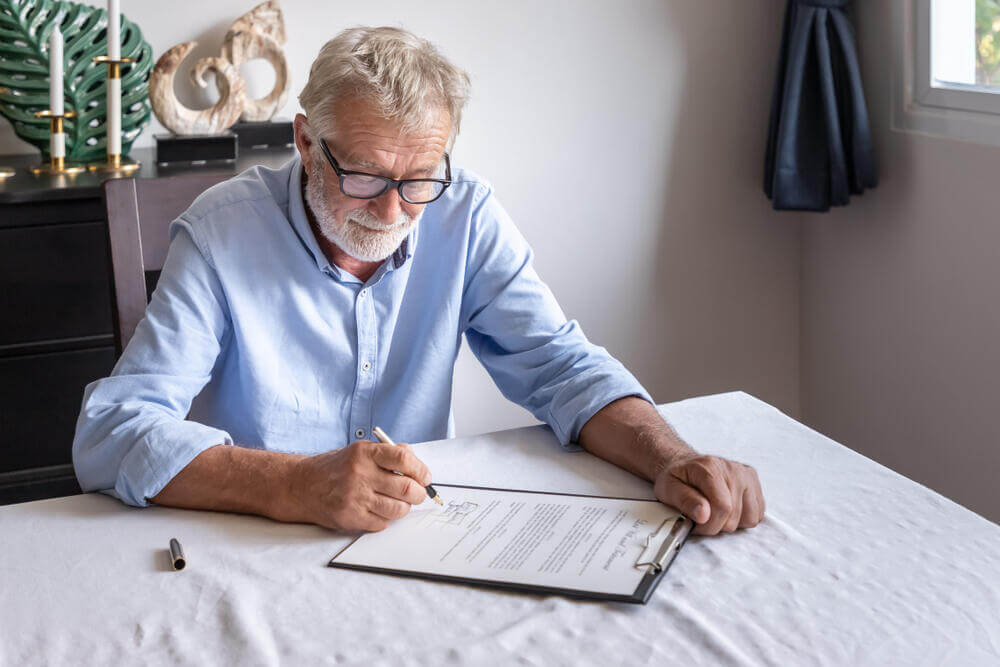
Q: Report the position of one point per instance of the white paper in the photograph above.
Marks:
(560, 541)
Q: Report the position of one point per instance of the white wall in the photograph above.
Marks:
(901, 322)
(626, 139)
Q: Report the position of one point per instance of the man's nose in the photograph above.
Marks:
(387, 206)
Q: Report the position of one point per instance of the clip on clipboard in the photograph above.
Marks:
(675, 531)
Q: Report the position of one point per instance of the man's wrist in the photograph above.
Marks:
(662, 447)
(283, 501)
(632, 434)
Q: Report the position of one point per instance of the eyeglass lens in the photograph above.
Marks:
(359, 185)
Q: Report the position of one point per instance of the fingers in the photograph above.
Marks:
(732, 522)
(684, 498)
(363, 486)
(367, 511)
(388, 508)
(375, 523)
(751, 512)
(753, 503)
(709, 478)
(400, 487)
(402, 460)
(719, 495)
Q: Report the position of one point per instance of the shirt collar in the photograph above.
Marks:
(300, 224)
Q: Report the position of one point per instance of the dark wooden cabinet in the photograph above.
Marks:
(56, 314)
(54, 283)
(40, 395)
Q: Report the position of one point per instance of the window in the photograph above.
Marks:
(950, 68)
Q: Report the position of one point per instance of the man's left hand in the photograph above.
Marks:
(716, 493)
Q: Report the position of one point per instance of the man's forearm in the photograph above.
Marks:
(363, 486)
(234, 479)
(630, 433)
(718, 494)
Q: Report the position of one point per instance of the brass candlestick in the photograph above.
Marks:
(57, 163)
(115, 162)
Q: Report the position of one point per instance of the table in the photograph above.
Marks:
(854, 564)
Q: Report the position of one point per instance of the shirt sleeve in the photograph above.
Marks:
(519, 333)
(132, 437)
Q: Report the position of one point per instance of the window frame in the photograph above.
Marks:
(965, 112)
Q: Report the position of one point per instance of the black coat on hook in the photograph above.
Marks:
(819, 145)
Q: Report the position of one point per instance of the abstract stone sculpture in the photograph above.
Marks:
(178, 118)
(260, 33)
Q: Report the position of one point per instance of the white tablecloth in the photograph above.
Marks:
(854, 564)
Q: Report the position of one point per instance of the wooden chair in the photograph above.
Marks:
(139, 214)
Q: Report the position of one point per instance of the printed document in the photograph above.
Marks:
(569, 542)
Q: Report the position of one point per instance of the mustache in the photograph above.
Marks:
(367, 219)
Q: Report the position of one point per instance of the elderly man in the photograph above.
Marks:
(329, 296)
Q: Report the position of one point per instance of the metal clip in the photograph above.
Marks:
(672, 540)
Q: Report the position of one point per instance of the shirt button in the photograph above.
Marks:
(360, 433)
(366, 366)
(361, 295)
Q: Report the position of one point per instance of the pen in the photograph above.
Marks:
(431, 491)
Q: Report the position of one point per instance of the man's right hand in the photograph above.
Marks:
(355, 488)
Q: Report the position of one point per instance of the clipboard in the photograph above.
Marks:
(656, 551)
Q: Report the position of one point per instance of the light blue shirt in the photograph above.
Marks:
(297, 355)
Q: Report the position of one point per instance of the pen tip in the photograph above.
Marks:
(437, 499)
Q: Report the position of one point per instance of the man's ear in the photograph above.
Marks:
(303, 139)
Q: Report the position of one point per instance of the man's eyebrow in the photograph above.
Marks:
(360, 164)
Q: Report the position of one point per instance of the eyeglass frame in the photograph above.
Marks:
(389, 182)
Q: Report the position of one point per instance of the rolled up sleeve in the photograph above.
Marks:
(132, 436)
(517, 330)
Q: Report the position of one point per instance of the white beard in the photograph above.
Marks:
(362, 235)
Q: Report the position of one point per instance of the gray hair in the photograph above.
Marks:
(403, 76)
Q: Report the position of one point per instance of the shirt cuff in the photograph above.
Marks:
(149, 466)
(588, 392)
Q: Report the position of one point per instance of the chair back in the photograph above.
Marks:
(139, 214)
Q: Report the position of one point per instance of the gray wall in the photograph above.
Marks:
(900, 308)
(626, 139)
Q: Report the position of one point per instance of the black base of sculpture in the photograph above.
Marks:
(195, 148)
(267, 134)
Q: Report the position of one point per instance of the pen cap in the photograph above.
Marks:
(176, 554)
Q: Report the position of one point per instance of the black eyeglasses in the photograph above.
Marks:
(360, 185)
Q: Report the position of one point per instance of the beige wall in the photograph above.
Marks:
(626, 139)
(900, 305)
(687, 276)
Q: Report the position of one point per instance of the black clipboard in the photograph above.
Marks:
(667, 540)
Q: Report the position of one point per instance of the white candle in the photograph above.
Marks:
(56, 72)
(114, 30)
(114, 116)
(57, 140)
